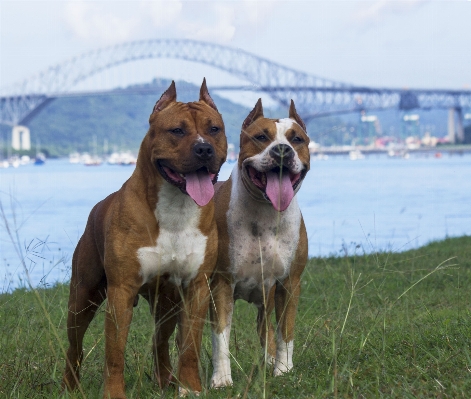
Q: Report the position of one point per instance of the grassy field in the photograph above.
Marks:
(389, 325)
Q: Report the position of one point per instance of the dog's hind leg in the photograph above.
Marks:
(87, 292)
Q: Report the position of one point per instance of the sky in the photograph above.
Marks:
(383, 43)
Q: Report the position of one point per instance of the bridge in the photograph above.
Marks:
(314, 96)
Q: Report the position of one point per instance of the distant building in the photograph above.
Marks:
(20, 138)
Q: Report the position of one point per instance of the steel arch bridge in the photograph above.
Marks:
(314, 96)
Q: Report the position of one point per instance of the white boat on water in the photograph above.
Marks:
(14, 161)
(398, 154)
(90, 160)
(122, 158)
(74, 157)
(320, 157)
(116, 158)
(355, 155)
(93, 161)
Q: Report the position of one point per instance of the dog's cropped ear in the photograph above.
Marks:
(294, 115)
(205, 97)
(169, 96)
(256, 113)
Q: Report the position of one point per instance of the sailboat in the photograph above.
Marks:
(40, 158)
(94, 160)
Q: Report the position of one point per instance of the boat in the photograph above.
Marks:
(356, 155)
(320, 157)
(74, 157)
(40, 159)
(122, 158)
(14, 161)
(401, 153)
(93, 161)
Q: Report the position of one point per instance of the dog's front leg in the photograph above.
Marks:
(286, 303)
(222, 292)
(195, 302)
(118, 319)
(165, 315)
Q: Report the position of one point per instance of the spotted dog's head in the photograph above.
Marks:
(186, 143)
(274, 156)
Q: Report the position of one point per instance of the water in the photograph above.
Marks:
(374, 204)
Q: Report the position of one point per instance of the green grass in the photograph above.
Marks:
(389, 325)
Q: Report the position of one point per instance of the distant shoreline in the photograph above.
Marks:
(451, 149)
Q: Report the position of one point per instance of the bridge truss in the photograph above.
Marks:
(314, 96)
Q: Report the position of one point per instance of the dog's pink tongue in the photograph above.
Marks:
(199, 187)
(279, 191)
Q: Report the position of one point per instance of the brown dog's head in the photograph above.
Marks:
(187, 144)
(274, 156)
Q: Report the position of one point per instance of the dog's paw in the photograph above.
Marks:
(164, 381)
(183, 393)
(281, 368)
(221, 381)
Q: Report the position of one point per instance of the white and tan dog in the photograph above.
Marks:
(263, 247)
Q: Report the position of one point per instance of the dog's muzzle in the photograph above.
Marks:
(278, 184)
(198, 184)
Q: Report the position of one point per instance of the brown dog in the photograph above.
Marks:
(262, 239)
(156, 237)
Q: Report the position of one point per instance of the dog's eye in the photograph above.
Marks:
(297, 140)
(214, 129)
(261, 137)
(177, 131)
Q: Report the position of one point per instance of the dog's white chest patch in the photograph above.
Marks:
(180, 246)
(263, 242)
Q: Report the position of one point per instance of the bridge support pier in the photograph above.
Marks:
(20, 138)
(455, 125)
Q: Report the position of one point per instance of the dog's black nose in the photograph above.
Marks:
(203, 151)
(282, 152)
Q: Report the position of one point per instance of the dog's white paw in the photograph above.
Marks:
(281, 368)
(183, 392)
(221, 380)
(284, 355)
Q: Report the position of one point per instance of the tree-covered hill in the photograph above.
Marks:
(71, 123)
